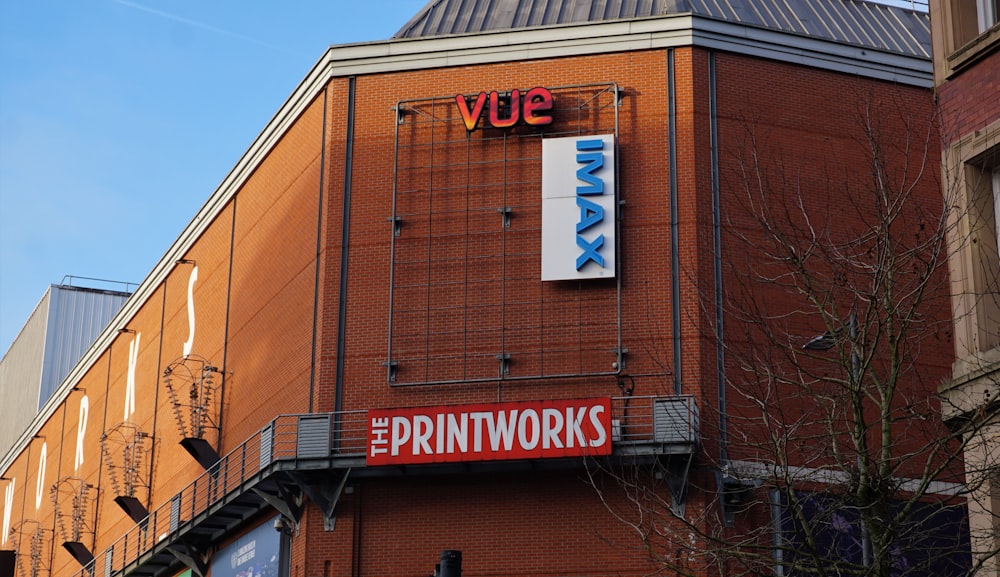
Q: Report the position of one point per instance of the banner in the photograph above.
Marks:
(252, 555)
(490, 432)
(578, 207)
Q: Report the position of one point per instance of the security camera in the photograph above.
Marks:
(283, 525)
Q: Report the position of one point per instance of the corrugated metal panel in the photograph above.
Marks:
(175, 512)
(21, 376)
(266, 446)
(314, 437)
(675, 420)
(855, 22)
(109, 557)
(77, 316)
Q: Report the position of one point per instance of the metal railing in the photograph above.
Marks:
(635, 420)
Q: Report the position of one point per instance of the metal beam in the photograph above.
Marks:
(323, 498)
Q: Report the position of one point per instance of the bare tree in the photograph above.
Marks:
(829, 455)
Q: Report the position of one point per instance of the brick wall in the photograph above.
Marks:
(256, 287)
(970, 100)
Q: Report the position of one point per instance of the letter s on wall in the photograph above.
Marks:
(190, 306)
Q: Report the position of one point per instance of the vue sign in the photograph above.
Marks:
(530, 110)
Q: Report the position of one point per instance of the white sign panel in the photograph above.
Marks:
(578, 207)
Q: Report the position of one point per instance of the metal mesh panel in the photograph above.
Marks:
(266, 443)
(175, 512)
(468, 303)
(675, 420)
(314, 436)
(109, 557)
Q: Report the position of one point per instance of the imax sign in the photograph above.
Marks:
(578, 207)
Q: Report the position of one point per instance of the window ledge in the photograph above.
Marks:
(973, 51)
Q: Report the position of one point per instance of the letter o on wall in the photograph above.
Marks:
(40, 486)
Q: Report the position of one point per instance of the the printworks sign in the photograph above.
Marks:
(490, 432)
(578, 207)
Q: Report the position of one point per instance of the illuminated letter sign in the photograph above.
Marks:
(81, 430)
(190, 307)
(527, 110)
(8, 505)
(40, 484)
(578, 207)
(133, 359)
(490, 432)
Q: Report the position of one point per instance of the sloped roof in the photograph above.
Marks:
(852, 22)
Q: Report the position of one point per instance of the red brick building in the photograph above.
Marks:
(967, 85)
(523, 215)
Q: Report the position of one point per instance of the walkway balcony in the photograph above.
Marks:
(315, 456)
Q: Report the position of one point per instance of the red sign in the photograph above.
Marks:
(490, 432)
(528, 110)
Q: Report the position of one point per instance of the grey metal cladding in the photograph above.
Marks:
(76, 318)
(313, 440)
(853, 22)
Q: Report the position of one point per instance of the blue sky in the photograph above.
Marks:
(118, 118)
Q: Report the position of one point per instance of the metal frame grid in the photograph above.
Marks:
(467, 300)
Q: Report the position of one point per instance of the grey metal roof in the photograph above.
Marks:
(853, 22)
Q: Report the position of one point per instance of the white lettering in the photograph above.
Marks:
(423, 428)
(400, 434)
(8, 504)
(133, 357)
(40, 485)
(477, 428)
(243, 554)
(552, 424)
(528, 443)
(458, 433)
(595, 420)
(190, 304)
(529, 431)
(502, 430)
(439, 429)
(81, 431)
(379, 430)
(574, 434)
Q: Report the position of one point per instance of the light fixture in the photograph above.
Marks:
(823, 342)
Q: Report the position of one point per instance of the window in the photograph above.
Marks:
(986, 14)
(996, 203)
(819, 529)
(963, 32)
(974, 179)
(982, 181)
(972, 187)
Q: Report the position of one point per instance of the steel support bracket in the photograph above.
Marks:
(286, 502)
(326, 497)
(190, 557)
(675, 469)
(390, 367)
(504, 360)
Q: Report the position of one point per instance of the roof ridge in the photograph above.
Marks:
(866, 23)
